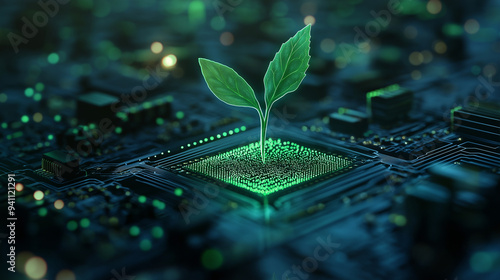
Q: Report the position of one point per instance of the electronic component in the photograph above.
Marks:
(287, 164)
(478, 121)
(348, 121)
(95, 106)
(60, 164)
(389, 104)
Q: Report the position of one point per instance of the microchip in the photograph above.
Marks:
(60, 163)
(287, 164)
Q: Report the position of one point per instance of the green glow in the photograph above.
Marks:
(452, 29)
(5, 125)
(178, 192)
(212, 259)
(39, 86)
(217, 23)
(53, 58)
(145, 245)
(84, 223)
(211, 137)
(25, 119)
(134, 230)
(29, 92)
(378, 92)
(72, 225)
(159, 121)
(42, 212)
(196, 12)
(288, 164)
(50, 137)
(142, 199)
(157, 232)
(118, 130)
(37, 96)
(179, 115)
(57, 118)
(159, 204)
(243, 128)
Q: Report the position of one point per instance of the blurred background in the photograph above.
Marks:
(64, 62)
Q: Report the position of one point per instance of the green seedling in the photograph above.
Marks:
(284, 75)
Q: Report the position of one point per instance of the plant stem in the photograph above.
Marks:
(263, 129)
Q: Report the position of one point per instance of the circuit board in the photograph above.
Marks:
(117, 162)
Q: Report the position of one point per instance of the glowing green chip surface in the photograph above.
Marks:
(287, 164)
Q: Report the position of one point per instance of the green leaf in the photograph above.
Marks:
(227, 85)
(288, 68)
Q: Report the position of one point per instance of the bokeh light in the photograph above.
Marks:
(35, 268)
(226, 38)
(169, 61)
(65, 275)
(471, 26)
(59, 204)
(156, 47)
(38, 195)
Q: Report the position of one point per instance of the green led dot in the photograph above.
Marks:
(84, 223)
(188, 145)
(74, 131)
(5, 125)
(39, 86)
(145, 245)
(236, 130)
(179, 115)
(29, 92)
(206, 140)
(157, 232)
(25, 119)
(42, 212)
(72, 225)
(201, 141)
(243, 128)
(159, 204)
(212, 138)
(231, 132)
(218, 136)
(224, 134)
(212, 259)
(50, 137)
(178, 192)
(194, 143)
(159, 121)
(142, 199)
(53, 58)
(57, 118)
(182, 147)
(118, 130)
(134, 230)
(37, 96)
(3, 97)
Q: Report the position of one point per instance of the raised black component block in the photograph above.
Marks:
(61, 164)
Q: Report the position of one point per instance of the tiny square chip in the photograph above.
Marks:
(287, 164)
